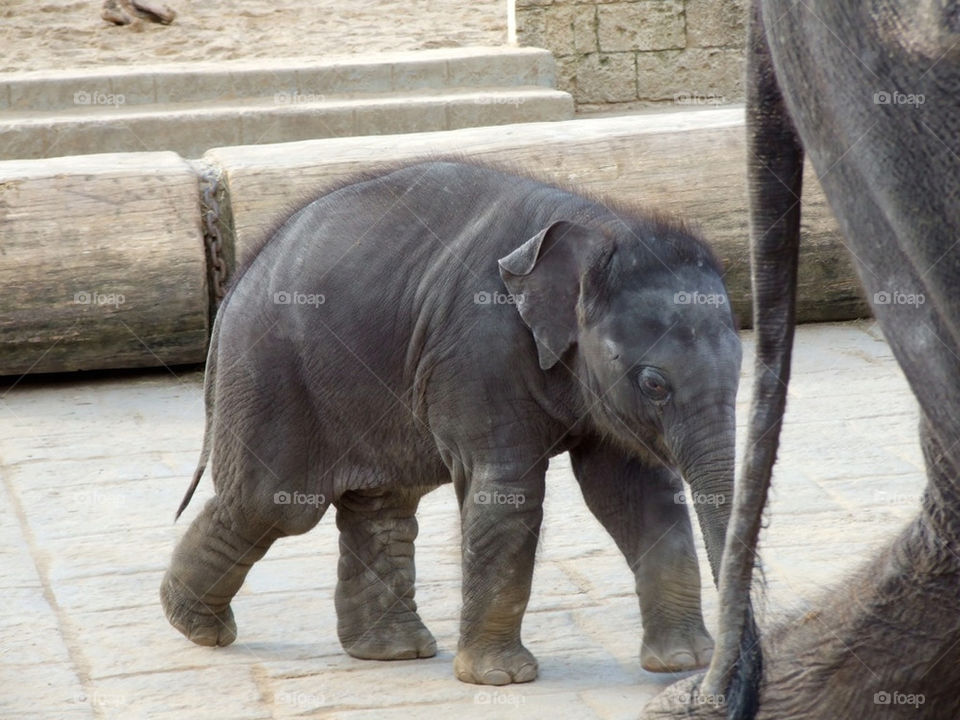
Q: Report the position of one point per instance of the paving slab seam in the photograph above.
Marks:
(261, 678)
(78, 660)
(165, 671)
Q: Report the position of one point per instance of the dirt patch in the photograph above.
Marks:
(51, 35)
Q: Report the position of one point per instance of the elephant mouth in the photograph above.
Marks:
(641, 439)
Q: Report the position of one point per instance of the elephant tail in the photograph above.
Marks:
(775, 173)
(209, 382)
(197, 474)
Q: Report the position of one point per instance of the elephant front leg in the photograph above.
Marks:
(642, 509)
(376, 614)
(500, 521)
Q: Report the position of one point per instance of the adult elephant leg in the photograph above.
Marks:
(643, 510)
(376, 612)
(501, 507)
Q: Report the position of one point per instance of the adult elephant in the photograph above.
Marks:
(871, 92)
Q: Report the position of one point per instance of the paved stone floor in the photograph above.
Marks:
(93, 469)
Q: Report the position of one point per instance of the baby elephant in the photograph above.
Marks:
(449, 322)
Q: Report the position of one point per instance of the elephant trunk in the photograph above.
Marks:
(706, 457)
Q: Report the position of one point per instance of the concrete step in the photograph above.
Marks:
(202, 82)
(192, 128)
(191, 107)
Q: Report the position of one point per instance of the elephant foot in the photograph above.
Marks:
(675, 649)
(514, 665)
(376, 612)
(684, 700)
(198, 622)
(392, 638)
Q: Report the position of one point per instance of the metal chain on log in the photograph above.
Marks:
(210, 208)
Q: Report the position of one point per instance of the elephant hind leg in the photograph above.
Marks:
(376, 613)
(209, 565)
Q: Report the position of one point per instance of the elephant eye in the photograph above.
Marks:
(653, 385)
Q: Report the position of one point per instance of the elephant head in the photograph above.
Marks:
(637, 312)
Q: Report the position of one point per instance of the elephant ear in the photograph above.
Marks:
(547, 276)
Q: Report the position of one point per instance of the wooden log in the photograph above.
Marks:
(691, 164)
(101, 263)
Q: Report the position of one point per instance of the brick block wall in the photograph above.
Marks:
(623, 53)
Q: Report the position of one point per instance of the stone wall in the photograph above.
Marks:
(622, 54)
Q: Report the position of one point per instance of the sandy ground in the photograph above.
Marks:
(42, 35)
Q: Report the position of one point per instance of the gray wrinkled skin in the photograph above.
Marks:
(472, 324)
(871, 92)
